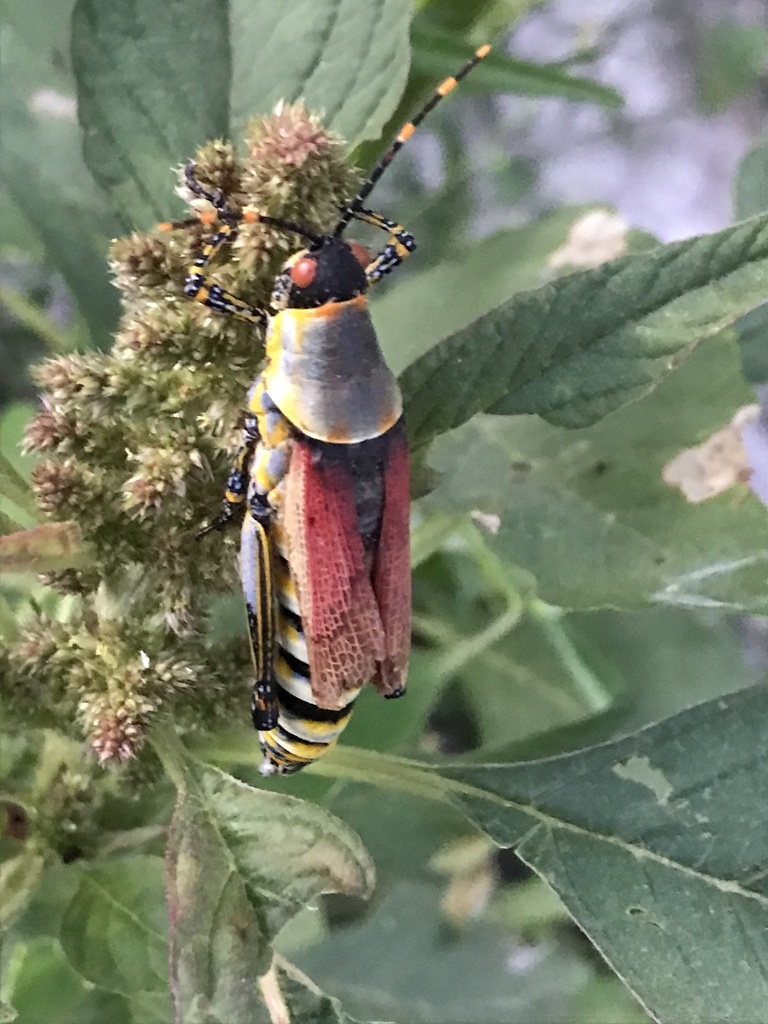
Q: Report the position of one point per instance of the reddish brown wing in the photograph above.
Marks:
(340, 614)
(392, 565)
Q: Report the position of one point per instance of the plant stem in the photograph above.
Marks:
(591, 689)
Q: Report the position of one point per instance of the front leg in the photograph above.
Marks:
(201, 287)
(233, 505)
(198, 285)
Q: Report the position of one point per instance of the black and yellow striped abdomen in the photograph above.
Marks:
(304, 731)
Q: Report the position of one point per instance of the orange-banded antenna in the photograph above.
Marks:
(446, 86)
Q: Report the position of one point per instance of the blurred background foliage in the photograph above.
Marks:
(490, 189)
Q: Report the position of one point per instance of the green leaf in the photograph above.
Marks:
(98, 1006)
(652, 664)
(522, 670)
(35, 970)
(44, 989)
(428, 975)
(397, 727)
(588, 343)
(348, 59)
(144, 1008)
(17, 500)
(753, 342)
(656, 845)
(18, 492)
(750, 188)
(306, 1003)
(18, 878)
(529, 906)
(421, 830)
(114, 929)
(414, 315)
(31, 319)
(604, 1000)
(461, 19)
(49, 900)
(56, 197)
(13, 425)
(732, 58)
(17, 238)
(242, 862)
(438, 53)
(667, 658)
(588, 512)
(153, 84)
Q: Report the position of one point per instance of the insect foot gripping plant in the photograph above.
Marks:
(320, 484)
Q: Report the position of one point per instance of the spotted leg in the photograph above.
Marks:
(399, 247)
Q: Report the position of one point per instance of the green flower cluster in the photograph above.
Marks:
(136, 446)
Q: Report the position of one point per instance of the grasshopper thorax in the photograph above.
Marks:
(330, 270)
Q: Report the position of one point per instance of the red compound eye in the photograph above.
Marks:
(303, 272)
(361, 254)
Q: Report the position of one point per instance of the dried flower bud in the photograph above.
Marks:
(295, 164)
(144, 262)
(217, 165)
(70, 581)
(116, 735)
(160, 472)
(60, 487)
(48, 431)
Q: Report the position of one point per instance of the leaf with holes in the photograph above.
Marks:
(656, 844)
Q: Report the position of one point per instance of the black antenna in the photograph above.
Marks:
(285, 225)
(402, 137)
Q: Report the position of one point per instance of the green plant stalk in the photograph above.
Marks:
(31, 316)
(592, 691)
